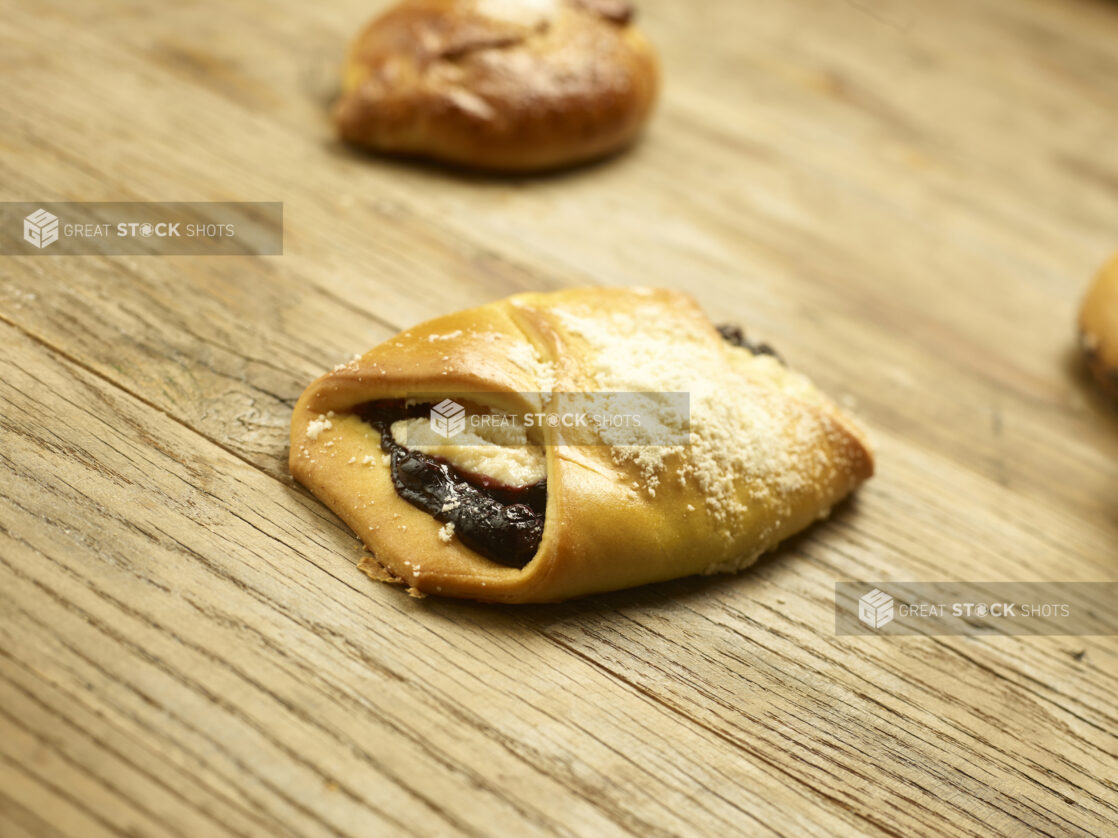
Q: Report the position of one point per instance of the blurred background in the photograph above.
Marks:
(906, 199)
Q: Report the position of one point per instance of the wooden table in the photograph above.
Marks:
(907, 199)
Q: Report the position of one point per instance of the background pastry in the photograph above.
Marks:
(1098, 327)
(762, 453)
(504, 85)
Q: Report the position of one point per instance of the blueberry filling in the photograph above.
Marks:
(734, 335)
(501, 523)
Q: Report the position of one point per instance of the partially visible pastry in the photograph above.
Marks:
(1098, 327)
(455, 450)
(501, 85)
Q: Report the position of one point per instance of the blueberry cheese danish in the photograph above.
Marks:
(456, 450)
(503, 85)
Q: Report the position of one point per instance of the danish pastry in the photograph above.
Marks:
(503, 85)
(730, 452)
(1098, 327)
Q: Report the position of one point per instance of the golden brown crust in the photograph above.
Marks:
(768, 455)
(1098, 327)
(504, 85)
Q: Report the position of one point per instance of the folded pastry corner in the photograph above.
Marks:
(510, 511)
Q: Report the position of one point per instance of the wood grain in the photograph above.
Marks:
(908, 202)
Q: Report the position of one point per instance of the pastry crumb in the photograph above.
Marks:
(446, 532)
(375, 570)
(317, 426)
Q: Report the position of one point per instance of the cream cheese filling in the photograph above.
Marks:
(530, 13)
(500, 452)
